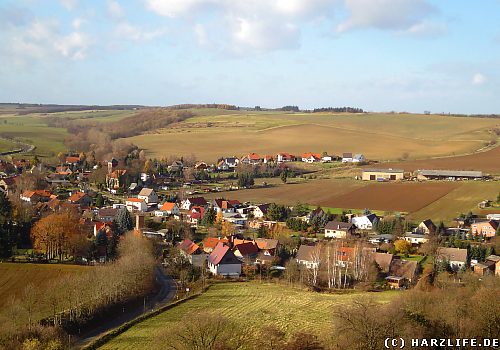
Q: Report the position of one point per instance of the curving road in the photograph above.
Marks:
(166, 294)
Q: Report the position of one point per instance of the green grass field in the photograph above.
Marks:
(251, 306)
(7, 145)
(15, 277)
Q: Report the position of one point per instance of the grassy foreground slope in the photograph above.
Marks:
(251, 306)
(377, 135)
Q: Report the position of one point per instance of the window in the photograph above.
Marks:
(393, 177)
(372, 177)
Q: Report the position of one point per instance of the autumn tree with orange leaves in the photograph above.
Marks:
(56, 234)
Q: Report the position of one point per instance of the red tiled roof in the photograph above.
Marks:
(72, 159)
(188, 246)
(135, 200)
(218, 253)
(314, 155)
(247, 248)
(211, 242)
(75, 197)
(167, 206)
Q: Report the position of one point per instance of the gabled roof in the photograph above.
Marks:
(135, 200)
(305, 252)
(189, 247)
(346, 155)
(266, 243)
(404, 268)
(285, 155)
(200, 201)
(168, 206)
(72, 159)
(247, 248)
(107, 212)
(429, 224)
(453, 254)
(338, 225)
(387, 171)
(146, 192)
(263, 208)
(309, 155)
(451, 173)
(211, 242)
(253, 156)
(383, 260)
(494, 258)
(77, 196)
(222, 254)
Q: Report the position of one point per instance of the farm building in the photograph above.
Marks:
(382, 174)
(448, 174)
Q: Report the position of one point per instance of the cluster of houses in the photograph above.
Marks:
(373, 174)
(231, 163)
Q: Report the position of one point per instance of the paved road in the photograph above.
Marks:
(165, 295)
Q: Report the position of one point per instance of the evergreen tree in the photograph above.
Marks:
(5, 226)
(284, 176)
(209, 217)
(99, 201)
(123, 221)
(101, 239)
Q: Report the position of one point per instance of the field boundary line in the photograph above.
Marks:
(106, 337)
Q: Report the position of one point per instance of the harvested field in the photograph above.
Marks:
(488, 162)
(406, 197)
(315, 192)
(251, 306)
(416, 136)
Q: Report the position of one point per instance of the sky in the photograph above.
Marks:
(379, 55)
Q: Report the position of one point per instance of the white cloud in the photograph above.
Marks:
(43, 39)
(69, 5)
(201, 35)
(174, 8)
(397, 15)
(115, 10)
(427, 29)
(130, 32)
(478, 79)
(77, 23)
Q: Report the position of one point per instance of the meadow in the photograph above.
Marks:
(252, 306)
(377, 135)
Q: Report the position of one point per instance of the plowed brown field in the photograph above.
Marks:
(489, 162)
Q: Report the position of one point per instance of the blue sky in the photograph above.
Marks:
(380, 55)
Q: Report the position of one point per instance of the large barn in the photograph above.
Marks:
(448, 174)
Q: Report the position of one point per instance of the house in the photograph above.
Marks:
(195, 215)
(246, 251)
(484, 228)
(194, 201)
(223, 262)
(107, 214)
(168, 209)
(308, 256)
(8, 184)
(136, 204)
(267, 246)
(252, 159)
(72, 160)
(364, 222)
(395, 281)
(268, 159)
(448, 175)
(192, 252)
(36, 196)
(116, 179)
(81, 199)
(235, 218)
(496, 260)
(337, 229)
(347, 158)
(222, 206)
(358, 158)
(456, 257)
(485, 268)
(176, 166)
(315, 212)
(201, 166)
(382, 174)
(383, 260)
(488, 217)
(415, 238)
(102, 226)
(284, 157)
(326, 158)
(426, 227)
(260, 211)
(149, 195)
(228, 164)
(311, 157)
(210, 243)
(408, 270)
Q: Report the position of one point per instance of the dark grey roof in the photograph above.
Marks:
(451, 173)
(338, 225)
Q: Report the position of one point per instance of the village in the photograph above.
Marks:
(231, 239)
